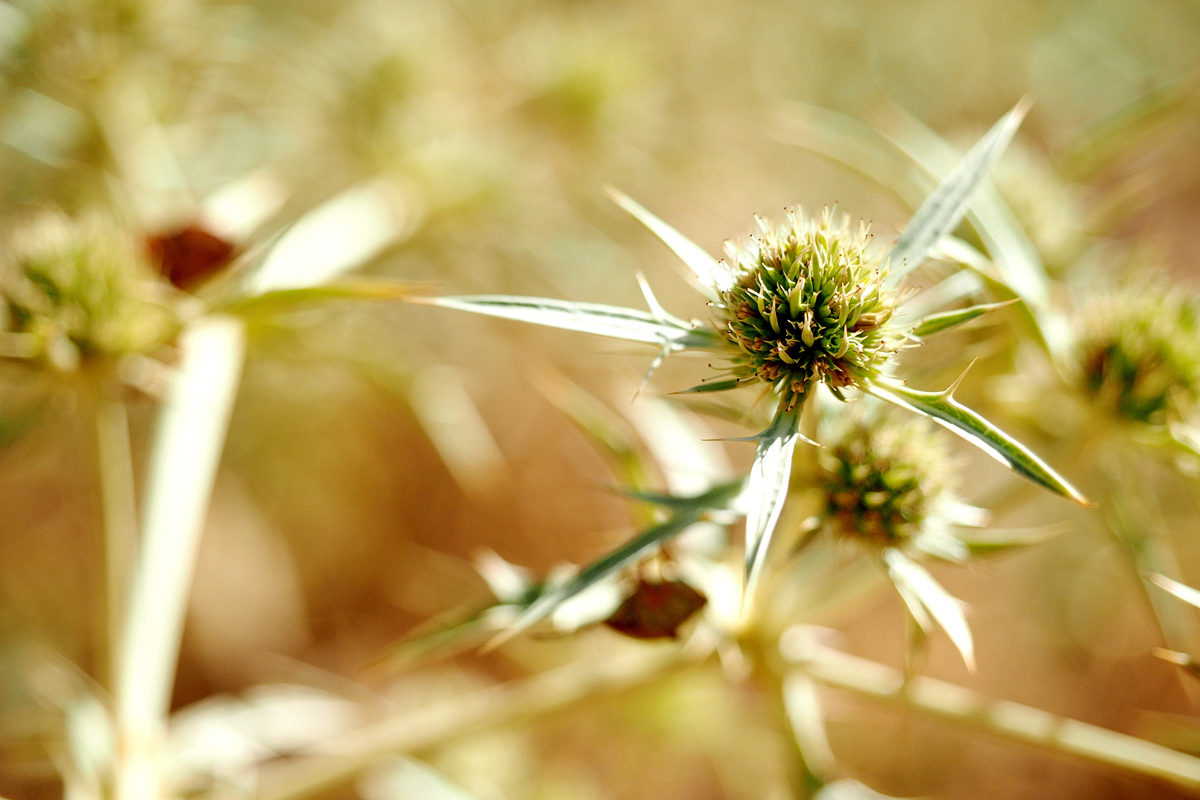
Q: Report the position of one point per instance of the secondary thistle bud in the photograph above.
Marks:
(809, 307)
(884, 475)
(81, 290)
(1139, 355)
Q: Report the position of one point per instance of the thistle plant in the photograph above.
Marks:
(85, 295)
(808, 304)
(1134, 359)
(156, 113)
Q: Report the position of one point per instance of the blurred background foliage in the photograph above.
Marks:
(375, 448)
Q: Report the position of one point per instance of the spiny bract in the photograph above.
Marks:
(808, 307)
(883, 475)
(1139, 355)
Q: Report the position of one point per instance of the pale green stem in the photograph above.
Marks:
(999, 718)
(345, 758)
(1147, 553)
(187, 449)
(802, 780)
(119, 503)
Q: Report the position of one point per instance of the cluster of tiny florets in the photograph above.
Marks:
(72, 291)
(883, 476)
(808, 307)
(1139, 355)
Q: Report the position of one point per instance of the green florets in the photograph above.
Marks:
(883, 476)
(1140, 356)
(76, 291)
(808, 307)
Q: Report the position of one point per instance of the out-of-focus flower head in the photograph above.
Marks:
(883, 477)
(887, 480)
(1138, 355)
(77, 290)
(1047, 206)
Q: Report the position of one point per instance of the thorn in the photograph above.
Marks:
(660, 313)
(758, 437)
(1022, 107)
(1172, 656)
(1159, 580)
(614, 194)
(654, 365)
(952, 388)
(501, 638)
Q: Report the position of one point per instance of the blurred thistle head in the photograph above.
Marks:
(78, 290)
(808, 307)
(885, 476)
(1138, 355)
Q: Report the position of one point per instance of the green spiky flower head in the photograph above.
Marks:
(1138, 355)
(808, 307)
(884, 476)
(76, 290)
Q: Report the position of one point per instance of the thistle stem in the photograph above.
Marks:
(187, 450)
(118, 504)
(1000, 718)
(804, 779)
(342, 760)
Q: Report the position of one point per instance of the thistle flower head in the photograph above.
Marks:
(884, 476)
(808, 307)
(78, 290)
(1139, 355)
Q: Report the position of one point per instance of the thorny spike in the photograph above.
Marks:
(953, 387)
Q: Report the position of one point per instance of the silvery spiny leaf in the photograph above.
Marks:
(942, 408)
(616, 322)
(927, 601)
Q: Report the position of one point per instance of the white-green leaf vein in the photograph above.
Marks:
(945, 207)
(942, 408)
(615, 322)
(766, 489)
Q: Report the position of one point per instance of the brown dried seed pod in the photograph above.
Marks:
(190, 255)
(656, 610)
